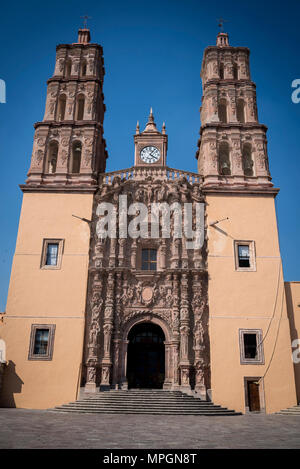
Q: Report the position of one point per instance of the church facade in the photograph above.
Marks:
(149, 304)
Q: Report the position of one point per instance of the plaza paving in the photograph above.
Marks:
(20, 428)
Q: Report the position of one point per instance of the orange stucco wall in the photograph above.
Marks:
(292, 290)
(39, 296)
(245, 300)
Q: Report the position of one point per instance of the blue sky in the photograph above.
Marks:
(152, 55)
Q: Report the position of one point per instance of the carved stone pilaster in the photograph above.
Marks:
(107, 332)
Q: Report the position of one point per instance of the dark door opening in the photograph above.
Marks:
(253, 396)
(146, 356)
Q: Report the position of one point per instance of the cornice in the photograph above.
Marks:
(85, 79)
(79, 45)
(69, 123)
(266, 191)
(233, 125)
(59, 189)
(229, 81)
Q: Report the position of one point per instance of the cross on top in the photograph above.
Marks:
(221, 24)
(85, 18)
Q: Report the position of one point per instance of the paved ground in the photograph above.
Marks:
(21, 428)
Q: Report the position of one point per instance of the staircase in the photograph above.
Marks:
(290, 411)
(143, 401)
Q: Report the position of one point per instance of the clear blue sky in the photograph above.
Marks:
(152, 53)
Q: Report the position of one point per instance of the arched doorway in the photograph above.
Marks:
(146, 356)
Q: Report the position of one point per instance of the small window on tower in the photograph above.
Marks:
(251, 346)
(83, 68)
(149, 259)
(221, 71)
(76, 157)
(41, 342)
(244, 255)
(68, 68)
(80, 107)
(52, 253)
(51, 161)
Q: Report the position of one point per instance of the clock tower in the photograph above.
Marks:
(150, 145)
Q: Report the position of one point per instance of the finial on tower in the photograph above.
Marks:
(137, 130)
(163, 131)
(84, 35)
(151, 126)
(222, 38)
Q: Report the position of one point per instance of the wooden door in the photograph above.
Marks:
(253, 396)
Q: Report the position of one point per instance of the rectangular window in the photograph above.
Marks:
(41, 342)
(251, 347)
(52, 253)
(149, 259)
(244, 253)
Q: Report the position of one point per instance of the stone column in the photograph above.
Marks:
(175, 330)
(184, 334)
(117, 343)
(93, 333)
(198, 305)
(133, 254)
(123, 381)
(107, 331)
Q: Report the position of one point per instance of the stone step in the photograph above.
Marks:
(147, 412)
(126, 405)
(295, 410)
(147, 402)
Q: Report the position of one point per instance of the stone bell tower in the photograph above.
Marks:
(233, 144)
(69, 148)
(48, 286)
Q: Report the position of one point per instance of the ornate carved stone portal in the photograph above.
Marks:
(122, 294)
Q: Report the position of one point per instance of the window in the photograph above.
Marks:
(80, 107)
(83, 68)
(222, 111)
(240, 111)
(244, 255)
(61, 107)
(247, 159)
(224, 160)
(41, 342)
(221, 71)
(149, 259)
(251, 347)
(68, 68)
(235, 71)
(52, 253)
(76, 157)
(52, 158)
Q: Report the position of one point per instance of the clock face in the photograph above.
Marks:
(150, 154)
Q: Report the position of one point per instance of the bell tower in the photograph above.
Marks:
(69, 148)
(233, 145)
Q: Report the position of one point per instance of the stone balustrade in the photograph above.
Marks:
(142, 172)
